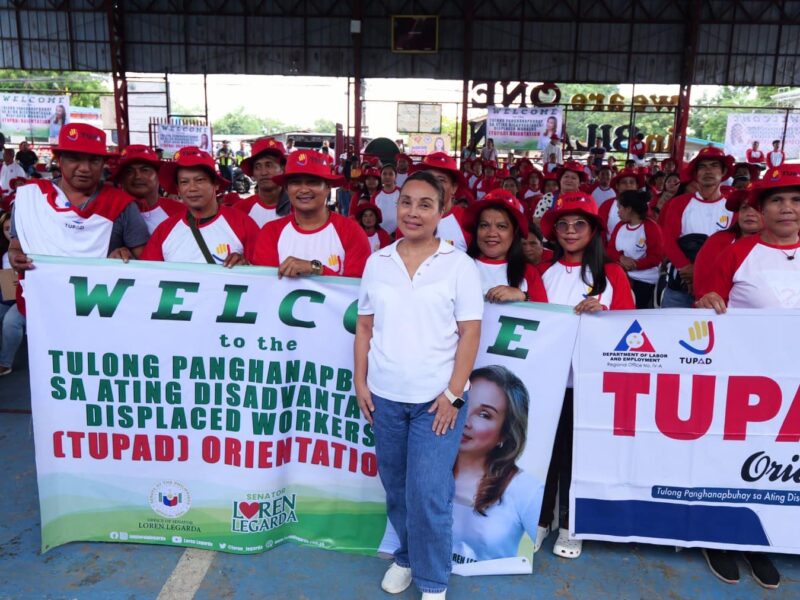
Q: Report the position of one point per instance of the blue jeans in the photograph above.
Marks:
(676, 299)
(343, 201)
(416, 469)
(13, 330)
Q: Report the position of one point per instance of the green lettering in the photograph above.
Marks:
(507, 335)
(106, 303)
(233, 298)
(285, 310)
(170, 299)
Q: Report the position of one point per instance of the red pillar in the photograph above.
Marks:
(687, 77)
(117, 41)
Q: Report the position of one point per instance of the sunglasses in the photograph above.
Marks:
(580, 226)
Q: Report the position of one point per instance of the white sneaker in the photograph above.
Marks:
(565, 547)
(434, 595)
(541, 536)
(396, 579)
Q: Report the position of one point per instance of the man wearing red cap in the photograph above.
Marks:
(77, 215)
(137, 172)
(444, 168)
(312, 240)
(690, 219)
(205, 232)
(270, 201)
(402, 166)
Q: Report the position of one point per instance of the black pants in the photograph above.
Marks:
(643, 292)
(559, 474)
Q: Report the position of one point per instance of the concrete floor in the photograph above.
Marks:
(133, 572)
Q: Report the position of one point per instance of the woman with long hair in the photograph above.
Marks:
(672, 183)
(498, 226)
(495, 501)
(582, 276)
(58, 119)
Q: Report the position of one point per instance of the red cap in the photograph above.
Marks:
(554, 137)
(136, 153)
(265, 145)
(640, 183)
(753, 169)
(575, 167)
(489, 164)
(371, 172)
(781, 177)
(403, 156)
(735, 198)
(189, 157)
(441, 161)
(551, 176)
(372, 159)
(364, 206)
(711, 153)
(82, 139)
(307, 162)
(569, 204)
(502, 173)
(497, 198)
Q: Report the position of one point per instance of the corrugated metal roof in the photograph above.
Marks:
(739, 42)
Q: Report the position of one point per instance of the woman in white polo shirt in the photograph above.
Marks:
(420, 308)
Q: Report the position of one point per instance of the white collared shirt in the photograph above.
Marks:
(415, 330)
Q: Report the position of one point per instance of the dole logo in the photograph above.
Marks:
(634, 340)
(701, 330)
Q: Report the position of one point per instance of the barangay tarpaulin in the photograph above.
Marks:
(686, 429)
(197, 406)
(523, 128)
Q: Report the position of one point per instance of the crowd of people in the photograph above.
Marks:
(432, 239)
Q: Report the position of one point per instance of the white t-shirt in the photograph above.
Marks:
(7, 174)
(498, 534)
(387, 202)
(400, 179)
(415, 329)
(602, 196)
(632, 242)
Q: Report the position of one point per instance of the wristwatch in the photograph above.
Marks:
(456, 401)
(316, 267)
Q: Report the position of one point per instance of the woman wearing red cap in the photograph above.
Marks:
(419, 316)
(498, 226)
(370, 217)
(580, 275)
(570, 177)
(763, 271)
(637, 245)
(488, 182)
(205, 231)
(270, 201)
(748, 222)
(386, 198)
(311, 240)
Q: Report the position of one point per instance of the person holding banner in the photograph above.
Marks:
(498, 226)
(582, 276)
(204, 231)
(270, 201)
(495, 502)
(137, 173)
(762, 271)
(420, 308)
(311, 240)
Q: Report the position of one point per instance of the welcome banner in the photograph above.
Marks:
(686, 429)
(523, 128)
(33, 116)
(172, 138)
(204, 407)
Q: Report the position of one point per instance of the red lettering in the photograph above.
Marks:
(165, 449)
(264, 455)
(701, 411)
(98, 445)
(249, 450)
(76, 437)
(625, 387)
(284, 452)
(58, 448)
(738, 410)
(233, 452)
(320, 454)
(338, 452)
(141, 448)
(369, 464)
(211, 449)
(790, 430)
(302, 453)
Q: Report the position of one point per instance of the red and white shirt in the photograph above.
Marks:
(775, 159)
(690, 213)
(706, 260)
(639, 149)
(46, 222)
(257, 210)
(155, 215)
(340, 245)
(229, 232)
(564, 285)
(387, 202)
(379, 239)
(602, 195)
(643, 243)
(753, 274)
(495, 272)
(609, 216)
(484, 186)
(754, 156)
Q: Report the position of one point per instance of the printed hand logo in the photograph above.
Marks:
(221, 252)
(700, 330)
(723, 222)
(334, 263)
(641, 243)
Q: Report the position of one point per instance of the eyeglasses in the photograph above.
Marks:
(580, 226)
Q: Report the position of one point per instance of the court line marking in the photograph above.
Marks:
(188, 574)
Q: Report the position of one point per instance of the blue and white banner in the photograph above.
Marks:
(687, 426)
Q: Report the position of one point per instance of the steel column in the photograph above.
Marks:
(687, 77)
(116, 40)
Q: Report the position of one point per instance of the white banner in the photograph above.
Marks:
(198, 406)
(745, 128)
(32, 116)
(523, 128)
(174, 137)
(686, 429)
